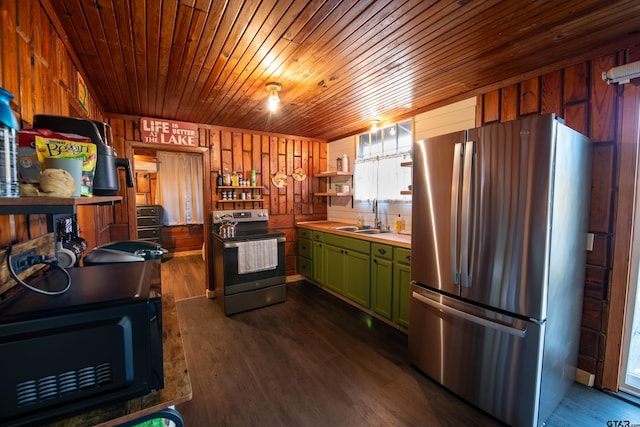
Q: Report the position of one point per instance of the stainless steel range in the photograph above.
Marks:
(248, 260)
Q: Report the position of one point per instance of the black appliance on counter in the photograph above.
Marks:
(248, 260)
(98, 343)
(105, 180)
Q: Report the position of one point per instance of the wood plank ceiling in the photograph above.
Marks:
(341, 63)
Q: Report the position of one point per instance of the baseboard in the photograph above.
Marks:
(210, 294)
(294, 278)
(585, 378)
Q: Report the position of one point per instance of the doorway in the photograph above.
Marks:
(148, 151)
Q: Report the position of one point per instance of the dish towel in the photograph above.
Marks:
(257, 255)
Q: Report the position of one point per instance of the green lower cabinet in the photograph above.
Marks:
(382, 279)
(401, 286)
(305, 264)
(334, 268)
(357, 277)
(347, 269)
(317, 272)
(382, 287)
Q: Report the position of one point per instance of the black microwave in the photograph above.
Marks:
(98, 343)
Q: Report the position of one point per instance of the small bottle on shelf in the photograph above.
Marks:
(253, 177)
(398, 224)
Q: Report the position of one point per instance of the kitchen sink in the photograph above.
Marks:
(371, 231)
(346, 228)
(354, 229)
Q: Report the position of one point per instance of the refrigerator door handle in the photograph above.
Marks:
(455, 198)
(466, 220)
(470, 317)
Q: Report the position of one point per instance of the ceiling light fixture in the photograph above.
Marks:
(374, 125)
(274, 99)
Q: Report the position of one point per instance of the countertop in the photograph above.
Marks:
(177, 385)
(396, 239)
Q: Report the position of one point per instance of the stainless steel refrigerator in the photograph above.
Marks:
(497, 263)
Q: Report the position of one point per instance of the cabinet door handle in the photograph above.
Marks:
(375, 261)
(382, 251)
(408, 257)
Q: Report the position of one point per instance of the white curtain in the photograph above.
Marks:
(382, 178)
(180, 188)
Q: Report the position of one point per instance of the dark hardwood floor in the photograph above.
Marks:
(317, 361)
(184, 276)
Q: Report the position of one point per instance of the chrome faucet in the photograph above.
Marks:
(376, 220)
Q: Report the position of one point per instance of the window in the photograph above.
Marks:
(378, 174)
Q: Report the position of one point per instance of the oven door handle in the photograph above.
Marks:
(236, 244)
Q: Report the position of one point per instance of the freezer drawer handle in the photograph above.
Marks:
(471, 318)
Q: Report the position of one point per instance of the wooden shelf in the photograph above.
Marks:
(334, 194)
(235, 187)
(51, 205)
(239, 200)
(407, 164)
(328, 174)
(406, 192)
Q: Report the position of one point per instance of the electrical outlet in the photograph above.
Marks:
(40, 246)
(21, 262)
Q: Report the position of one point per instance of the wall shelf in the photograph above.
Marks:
(334, 194)
(333, 174)
(51, 206)
(253, 190)
(329, 174)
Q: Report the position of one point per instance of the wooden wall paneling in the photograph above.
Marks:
(226, 160)
(552, 94)
(214, 150)
(273, 169)
(509, 103)
(246, 142)
(304, 164)
(628, 156)
(247, 160)
(603, 101)
(38, 77)
(479, 112)
(601, 254)
(589, 347)
(10, 77)
(121, 214)
(25, 19)
(227, 141)
(491, 106)
(529, 96)
(26, 87)
(596, 282)
(236, 151)
(592, 314)
(267, 191)
(577, 116)
(256, 153)
(289, 165)
(63, 64)
(602, 187)
(576, 83)
(143, 184)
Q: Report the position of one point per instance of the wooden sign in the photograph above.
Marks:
(158, 131)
